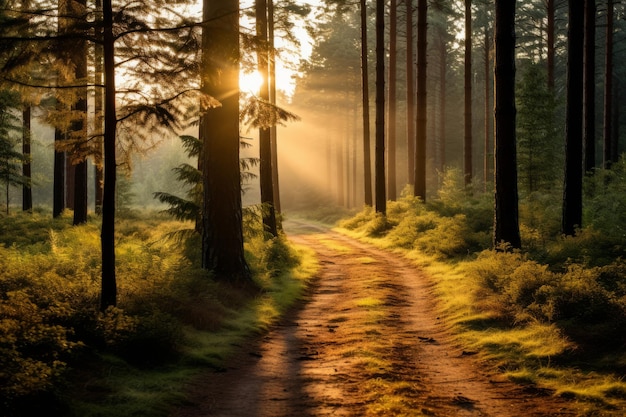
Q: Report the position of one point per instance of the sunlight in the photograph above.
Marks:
(250, 82)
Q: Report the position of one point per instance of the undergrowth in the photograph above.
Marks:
(550, 314)
(61, 356)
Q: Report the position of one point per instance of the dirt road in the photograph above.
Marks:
(367, 342)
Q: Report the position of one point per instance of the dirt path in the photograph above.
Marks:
(366, 342)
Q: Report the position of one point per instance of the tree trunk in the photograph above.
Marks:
(58, 193)
(339, 153)
(222, 234)
(265, 143)
(410, 94)
(572, 189)
(381, 197)
(272, 94)
(367, 159)
(107, 235)
(420, 136)
(488, 152)
(467, 142)
(391, 132)
(550, 35)
(590, 86)
(608, 157)
(443, 69)
(506, 217)
(27, 193)
(79, 125)
(98, 128)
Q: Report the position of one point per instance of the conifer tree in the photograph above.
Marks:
(222, 233)
(506, 211)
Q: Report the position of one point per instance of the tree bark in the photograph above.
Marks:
(608, 156)
(58, 193)
(222, 234)
(27, 193)
(410, 94)
(272, 94)
(590, 86)
(420, 137)
(367, 159)
(467, 142)
(443, 61)
(488, 152)
(550, 35)
(98, 127)
(381, 197)
(266, 171)
(572, 188)
(79, 125)
(108, 296)
(391, 132)
(506, 217)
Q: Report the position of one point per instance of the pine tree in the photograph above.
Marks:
(222, 232)
(10, 159)
(506, 212)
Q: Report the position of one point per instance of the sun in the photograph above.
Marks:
(250, 82)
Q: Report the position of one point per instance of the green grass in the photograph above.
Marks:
(555, 325)
(172, 320)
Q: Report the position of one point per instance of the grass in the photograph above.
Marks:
(520, 315)
(173, 320)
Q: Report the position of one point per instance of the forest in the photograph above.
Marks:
(174, 174)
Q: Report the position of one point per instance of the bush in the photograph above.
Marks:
(529, 291)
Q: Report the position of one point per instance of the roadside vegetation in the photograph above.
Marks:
(60, 356)
(550, 315)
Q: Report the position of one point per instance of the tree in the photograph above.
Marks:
(537, 142)
(189, 207)
(550, 29)
(10, 159)
(367, 160)
(272, 98)
(27, 194)
(589, 103)
(222, 232)
(572, 187)
(391, 117)
(381, 197)
(410, 94)
(108, 294)
(98, 113)
(607, 131)
(265, 145)
(420, 136)
(467, 142)
(488, 151)
(78, 58)
(506, 213)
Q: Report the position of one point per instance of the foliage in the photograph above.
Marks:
(537, 136)
(186, 208)
(52, 335)
(605, 200)
(10, 160)
(537, 313)
(454, 224)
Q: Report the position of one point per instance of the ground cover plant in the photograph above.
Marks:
(61, 356)
(550, 315)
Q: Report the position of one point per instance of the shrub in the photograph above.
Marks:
(33, 347)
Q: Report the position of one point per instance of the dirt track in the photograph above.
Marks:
(367, 341)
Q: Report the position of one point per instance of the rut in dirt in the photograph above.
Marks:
(366, 341)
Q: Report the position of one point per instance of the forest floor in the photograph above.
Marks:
(366, 341)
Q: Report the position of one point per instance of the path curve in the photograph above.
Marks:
(367, 335)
